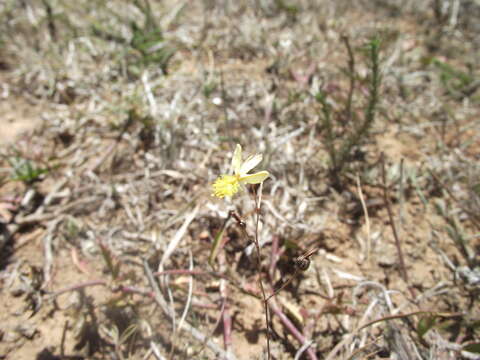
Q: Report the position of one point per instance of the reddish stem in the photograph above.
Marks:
(291, 327)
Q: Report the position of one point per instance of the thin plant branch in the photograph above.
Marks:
(398, 245)
(292, 329)
(258, 202)
(351, 75)
(367, 218)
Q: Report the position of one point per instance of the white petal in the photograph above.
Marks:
(237, 160)
(256, 178)
(250, 163)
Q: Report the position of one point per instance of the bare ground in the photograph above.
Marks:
(122, 155)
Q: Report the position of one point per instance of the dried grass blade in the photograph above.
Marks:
(186, 326)
(178, 237)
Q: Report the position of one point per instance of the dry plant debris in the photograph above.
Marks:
(117, 117)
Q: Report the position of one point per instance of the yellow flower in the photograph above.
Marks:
(228, 185)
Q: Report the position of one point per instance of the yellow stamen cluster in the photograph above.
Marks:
(226, 185)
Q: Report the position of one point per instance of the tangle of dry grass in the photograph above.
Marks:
(106, 216)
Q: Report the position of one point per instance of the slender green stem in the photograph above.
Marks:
(351, 75)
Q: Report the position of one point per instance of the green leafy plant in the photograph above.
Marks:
(26, 170)
(209, 88)
(342, 143)
(456, 82)
(457, 233)
(290, 9)
(147, 42)
(473, 348)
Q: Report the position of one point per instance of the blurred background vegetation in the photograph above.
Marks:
(118, 115)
